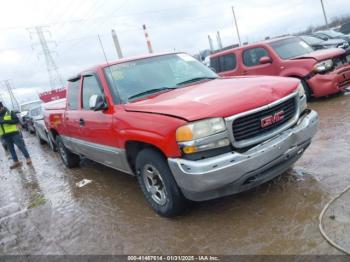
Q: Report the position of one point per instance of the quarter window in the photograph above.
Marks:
(228, 62)
(251, 57)
(73, 95)
(90, 87)
(224, 63)
(214, 63)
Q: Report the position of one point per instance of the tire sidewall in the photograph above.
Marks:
(175, 200)
(60, 146)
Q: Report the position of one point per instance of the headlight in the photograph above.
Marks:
(301, 90)
(202, 135)
(200, 129)
(323, 66)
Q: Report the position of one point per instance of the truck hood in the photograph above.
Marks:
(322, 54)
(221, 97)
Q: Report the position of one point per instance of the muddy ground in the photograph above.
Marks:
(42, 211)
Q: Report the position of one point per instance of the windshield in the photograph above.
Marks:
(28, 106)
(311, 40)
(149, 75)
(291, 47)
(332, 33)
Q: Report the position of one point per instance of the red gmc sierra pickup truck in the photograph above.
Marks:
(184, 132)
(321, 72)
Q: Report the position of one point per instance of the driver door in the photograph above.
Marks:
(99, 141)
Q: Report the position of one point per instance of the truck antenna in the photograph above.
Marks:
(109, 68)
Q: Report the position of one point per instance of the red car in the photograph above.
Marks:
(182, 130)
(322, 72)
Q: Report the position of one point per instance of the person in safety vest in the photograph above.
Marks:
(10, 133)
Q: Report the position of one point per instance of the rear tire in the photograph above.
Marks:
(51, 142)
(41, 141)
(158, 184)
(69, 159)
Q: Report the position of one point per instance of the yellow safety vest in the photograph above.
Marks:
(7, 128)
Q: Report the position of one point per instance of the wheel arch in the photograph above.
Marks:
(132, 149)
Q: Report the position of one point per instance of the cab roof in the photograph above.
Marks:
(264, 42)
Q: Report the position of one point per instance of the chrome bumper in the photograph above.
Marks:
(234, 172)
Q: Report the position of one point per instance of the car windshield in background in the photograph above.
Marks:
(291, 47)
(29, 106)
(332, 33)
(311, 40)
(150, 75)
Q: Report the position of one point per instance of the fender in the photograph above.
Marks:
(166, 144)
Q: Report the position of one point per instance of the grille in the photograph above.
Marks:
(250, 126)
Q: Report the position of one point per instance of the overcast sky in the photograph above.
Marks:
(180, 25)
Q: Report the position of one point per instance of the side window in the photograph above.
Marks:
(252, 56)
(214, 63)
(73, 95)
(228, 62)
(90, 87)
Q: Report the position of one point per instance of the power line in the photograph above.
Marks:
(14, 102)
(52, 69)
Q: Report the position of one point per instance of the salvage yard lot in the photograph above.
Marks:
(44, 212)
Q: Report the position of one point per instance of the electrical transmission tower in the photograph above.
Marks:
(51, 66)
(14, 102)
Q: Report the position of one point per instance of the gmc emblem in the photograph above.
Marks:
(271, 119)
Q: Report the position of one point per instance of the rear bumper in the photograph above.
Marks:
(330, 83)
(234, 172)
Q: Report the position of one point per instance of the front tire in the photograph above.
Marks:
(158, 184)
(69, 159)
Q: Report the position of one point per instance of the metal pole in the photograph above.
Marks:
(234, 18)
(149, 45)
(116, 44)
(324, 14)
(210, 43)
(218, 38)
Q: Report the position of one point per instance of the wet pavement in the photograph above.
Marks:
(43, 211)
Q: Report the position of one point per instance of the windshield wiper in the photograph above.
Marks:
(151, 91)
(196, 79)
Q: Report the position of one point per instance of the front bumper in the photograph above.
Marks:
(330, 83)
(234, 172)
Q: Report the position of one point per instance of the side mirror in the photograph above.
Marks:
(97, 103)
(265, 60)
(212, 68)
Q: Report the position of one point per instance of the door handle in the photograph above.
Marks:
(81, 122)
(244, 72)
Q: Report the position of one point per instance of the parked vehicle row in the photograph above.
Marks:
(321, 72)
(185, 132)
(317, 43)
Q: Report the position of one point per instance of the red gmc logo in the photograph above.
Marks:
(271, 119)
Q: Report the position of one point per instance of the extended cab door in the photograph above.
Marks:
(225, 65)
(99, 138)
(72, 115)
(251, 62)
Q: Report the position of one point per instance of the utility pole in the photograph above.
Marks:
(210, 43)
(55, 78)
(234, 18)
(149, 45)
(218, 38)
(116, 44)
(324, 14)
(14, 102)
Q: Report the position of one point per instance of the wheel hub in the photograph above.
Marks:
(154, 184)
